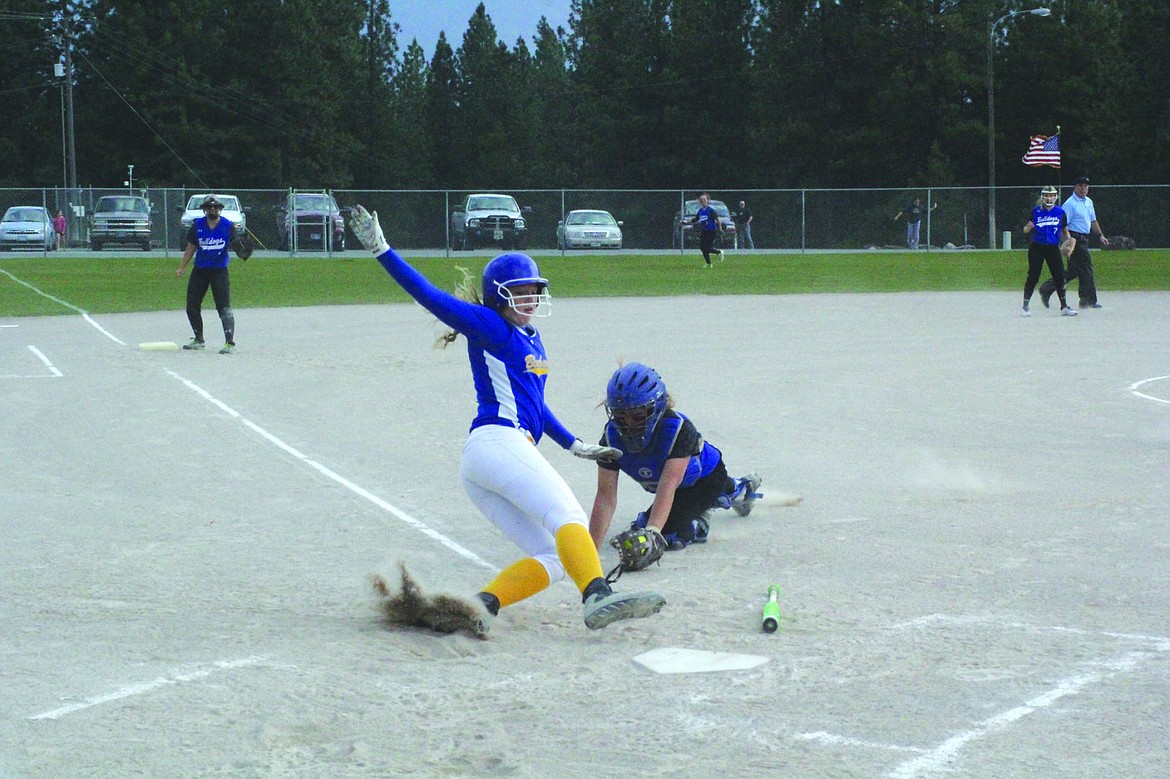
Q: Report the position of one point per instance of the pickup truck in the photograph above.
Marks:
(121, 219)
(489, 220)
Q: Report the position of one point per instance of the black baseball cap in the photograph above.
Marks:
(1081, 180)
(211, 202)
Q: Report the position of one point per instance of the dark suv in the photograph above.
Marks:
(311, 220)
(686, 232)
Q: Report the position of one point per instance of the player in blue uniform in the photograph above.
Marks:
(502, 471)
(1049, 229)
(709, 226)
(664, 452)
(208, 241)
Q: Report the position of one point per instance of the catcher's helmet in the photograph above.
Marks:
(635, 400)
(1048, 196)
(210, 202)
(511, 270)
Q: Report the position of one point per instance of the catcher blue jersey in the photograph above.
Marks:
(509, 365)
(675, 436)
(1048, 225)
(211, 245)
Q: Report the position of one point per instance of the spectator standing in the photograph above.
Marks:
(707, 221)
(59, 227)
(743, 227)
(1049, 229)
(913, 213)
(1082, 223)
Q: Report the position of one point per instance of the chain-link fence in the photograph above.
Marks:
(314, 223)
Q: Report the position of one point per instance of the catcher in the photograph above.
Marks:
(208, 241)
(663, 452)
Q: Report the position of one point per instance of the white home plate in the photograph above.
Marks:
(673, 660)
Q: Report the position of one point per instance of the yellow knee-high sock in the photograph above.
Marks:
(518, 581)
(578, 554)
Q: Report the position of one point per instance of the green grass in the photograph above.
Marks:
(117, 284)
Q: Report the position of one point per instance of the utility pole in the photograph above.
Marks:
(71, 176)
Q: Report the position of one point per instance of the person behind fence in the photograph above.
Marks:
(707, 221)
(59, 228)
(743, 227)
(1082, 224)
(208, 242)
(664, 453)
(1048, 227)
(503, 472)
(913, 213)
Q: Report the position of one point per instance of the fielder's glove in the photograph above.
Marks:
(638, 547)
(365, 226)
(1066, 248)
(595, 451)
(243, 247)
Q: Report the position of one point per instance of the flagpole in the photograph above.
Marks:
(1060, 170)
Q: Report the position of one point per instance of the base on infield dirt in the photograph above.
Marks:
(675, 660)
(158, 346)
(441, 613)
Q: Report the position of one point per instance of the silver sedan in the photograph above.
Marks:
(588, 229)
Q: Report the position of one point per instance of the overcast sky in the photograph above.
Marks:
(423, 19)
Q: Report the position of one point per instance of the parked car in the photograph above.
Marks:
(315, 221)
(232, 211)
(486, 220)
(687, 234)
(587, 229)
(120, 219)
(27, 227)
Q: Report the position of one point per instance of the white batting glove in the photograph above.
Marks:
(594, 451)
(365, 226)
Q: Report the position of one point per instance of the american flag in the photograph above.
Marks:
(1043, 150)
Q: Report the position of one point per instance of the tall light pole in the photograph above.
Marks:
(991, 242)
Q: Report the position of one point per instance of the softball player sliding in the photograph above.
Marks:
(502, 471)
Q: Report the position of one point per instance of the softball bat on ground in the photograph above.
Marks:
(158, 346)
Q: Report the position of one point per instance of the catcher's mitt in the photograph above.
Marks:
(638, 547)
(243, 246)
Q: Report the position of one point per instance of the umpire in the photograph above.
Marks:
(1082, 223)
(208, 241)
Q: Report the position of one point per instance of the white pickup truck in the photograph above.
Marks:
(489, 220)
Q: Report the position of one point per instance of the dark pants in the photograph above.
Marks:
(707, 244)
(1038, 255)
(221, 292)
(1080, 266)
(696, 500)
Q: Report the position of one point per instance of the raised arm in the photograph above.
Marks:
(471, 319)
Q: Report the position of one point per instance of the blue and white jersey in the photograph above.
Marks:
(674, 437)
(211, 245)
(509, 366)
(707, 218)
(1080, 212)
(1048, 225)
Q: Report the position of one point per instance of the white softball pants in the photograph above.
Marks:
(509, 480)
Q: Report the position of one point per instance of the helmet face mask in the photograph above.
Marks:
(635, 400)
(1048, 197)
(516, 270)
